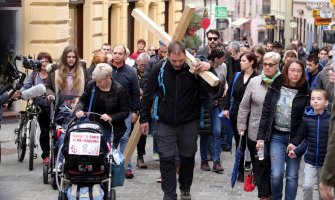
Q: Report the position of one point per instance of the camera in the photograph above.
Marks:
(29, 63)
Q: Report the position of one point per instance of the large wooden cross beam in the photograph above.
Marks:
(209, 77)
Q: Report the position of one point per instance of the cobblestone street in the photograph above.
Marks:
(18, 183)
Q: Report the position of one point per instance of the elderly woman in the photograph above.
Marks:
(249, 113)
(110, 100)
(282, 113)
(239, 85)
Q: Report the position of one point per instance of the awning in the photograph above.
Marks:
(239, 21)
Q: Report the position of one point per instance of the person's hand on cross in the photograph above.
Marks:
(202, 66)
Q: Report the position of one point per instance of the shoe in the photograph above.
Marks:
(46, 160)
(226, 147)
(185, 195)
(204, 166)
(217, 167)
(247, 166)
(129, 174)
(140, 163)
(240, 177)
(159, 179)
(155, 157)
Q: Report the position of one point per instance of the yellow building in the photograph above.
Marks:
(31, 26)
(46, 25)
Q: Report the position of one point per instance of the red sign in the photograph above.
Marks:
(205, 22)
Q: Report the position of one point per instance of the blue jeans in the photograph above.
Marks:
(124, 140)
(216, 130)
(278, 155)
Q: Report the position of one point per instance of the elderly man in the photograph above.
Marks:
(142, 62)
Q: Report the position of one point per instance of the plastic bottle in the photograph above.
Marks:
(260, 152)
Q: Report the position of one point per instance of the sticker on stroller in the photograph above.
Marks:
(83, 143)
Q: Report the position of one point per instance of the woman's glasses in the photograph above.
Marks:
(269, 64)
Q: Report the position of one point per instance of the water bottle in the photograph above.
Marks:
(260, 152)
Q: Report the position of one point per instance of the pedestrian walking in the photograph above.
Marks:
(314, 128)
(178, 112)
(249, 116)
(233, 100)
(282, 113)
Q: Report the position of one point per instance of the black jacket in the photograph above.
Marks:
(181, 103)
(117, 104)
(315, 131)
(300, 101)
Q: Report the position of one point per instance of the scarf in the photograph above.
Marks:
(269, 80)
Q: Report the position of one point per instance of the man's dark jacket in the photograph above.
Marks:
(181, 103)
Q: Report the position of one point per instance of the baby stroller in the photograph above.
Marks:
(59, 118)
(90, 168)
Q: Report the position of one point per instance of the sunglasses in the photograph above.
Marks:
(269, 64)
(212, 38)
(330, 57)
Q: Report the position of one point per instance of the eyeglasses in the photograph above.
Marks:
(269, 64)
(330, 57)
(163, 51)
(212, 38)
(152, 49)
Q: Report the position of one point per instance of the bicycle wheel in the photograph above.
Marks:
(32, 144)
(21, 141)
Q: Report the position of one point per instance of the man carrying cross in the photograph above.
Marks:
(179, 93)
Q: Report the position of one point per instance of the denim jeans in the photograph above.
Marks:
(312, 176)
(203, 147)
(124, 140)
(278, 154)
(216, 129)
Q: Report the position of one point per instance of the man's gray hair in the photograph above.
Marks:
(143, 56)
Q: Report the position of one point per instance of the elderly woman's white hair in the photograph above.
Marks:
(102, 71)
(272, 55)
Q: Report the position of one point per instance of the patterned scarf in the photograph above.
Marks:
(268, 80)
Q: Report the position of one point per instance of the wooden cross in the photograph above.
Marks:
(209, 77)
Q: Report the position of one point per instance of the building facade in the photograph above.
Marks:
(33, 26)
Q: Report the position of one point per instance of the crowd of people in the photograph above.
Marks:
(276, 99)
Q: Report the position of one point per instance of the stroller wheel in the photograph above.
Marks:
(45, 173)
(112, 194)
(53, 183)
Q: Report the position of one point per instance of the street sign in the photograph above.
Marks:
(316, 13)
(220, 12)
(322, 21)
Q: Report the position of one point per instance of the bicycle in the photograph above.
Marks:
(28, 132)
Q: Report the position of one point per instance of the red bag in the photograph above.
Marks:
(248, 185)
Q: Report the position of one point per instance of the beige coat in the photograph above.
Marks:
(252, 103)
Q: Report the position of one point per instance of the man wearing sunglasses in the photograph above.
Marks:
(213, 43)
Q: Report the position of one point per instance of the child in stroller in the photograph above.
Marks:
(89, 162)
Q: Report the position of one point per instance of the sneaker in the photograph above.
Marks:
(159, 179)
(46, 160)
(140, 163)
(129, 174)
(204, 166)
(247, 166)
(155, 157)
(185, 195)
(240, 177)
(217, 167)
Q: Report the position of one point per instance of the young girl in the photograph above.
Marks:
(314, 127)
